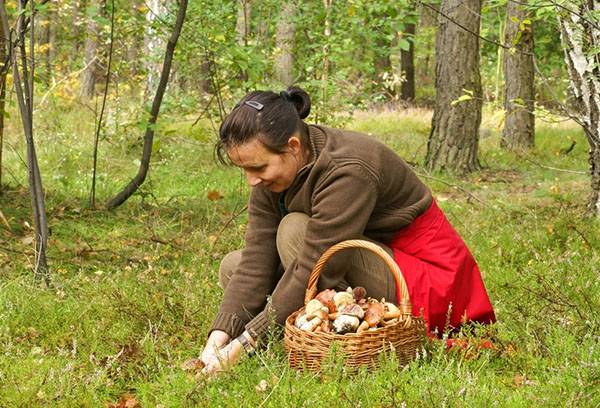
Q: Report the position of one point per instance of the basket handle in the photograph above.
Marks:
(403, 304)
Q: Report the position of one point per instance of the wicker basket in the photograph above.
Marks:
(307, 350)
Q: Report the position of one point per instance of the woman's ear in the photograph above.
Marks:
(295, 145)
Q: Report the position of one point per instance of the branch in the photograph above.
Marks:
(133, 185)
(97, 136)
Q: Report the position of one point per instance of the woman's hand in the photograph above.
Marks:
(215, 341)
(224, 357)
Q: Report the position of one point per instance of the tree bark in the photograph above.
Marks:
(153, 44)
(454, 137)
(242, 27)
(519, 90)
(23, 71)
(45, 41)
(3, 72)
(284, 38)
(581, 40)
(133, 185)
(407, 65)
(89, 74)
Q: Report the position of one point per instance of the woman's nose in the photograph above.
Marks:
(253, 180)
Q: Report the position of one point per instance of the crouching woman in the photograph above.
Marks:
(313, 186)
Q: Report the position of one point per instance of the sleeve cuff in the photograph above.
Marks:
(258, 326)
(229, 323)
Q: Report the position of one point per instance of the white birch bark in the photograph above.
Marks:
(581, 40)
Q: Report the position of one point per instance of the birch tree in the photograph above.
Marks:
(286, 29)
(580, 34)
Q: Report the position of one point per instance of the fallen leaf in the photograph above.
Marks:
(28, 240)
(214, 195)
(126, 401)
(194, 364)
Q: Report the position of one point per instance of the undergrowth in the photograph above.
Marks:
(135, 289)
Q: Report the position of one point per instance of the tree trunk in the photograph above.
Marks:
(153, 44)
(286, 30)
(45, 42)
(23, 72)
(519, 94)
(407, 65)
(425, 66)
(454, 134)
(3, 72)
(581, 40)
(91, 63)
(242, 27)
(133, 185)
(327, 31)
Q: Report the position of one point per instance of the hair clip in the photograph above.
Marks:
(256, 105)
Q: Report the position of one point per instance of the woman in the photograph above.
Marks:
(312, 187)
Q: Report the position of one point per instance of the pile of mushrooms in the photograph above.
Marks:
(346, 312)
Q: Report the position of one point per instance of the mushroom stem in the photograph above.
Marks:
(392, 315)
(363, 327)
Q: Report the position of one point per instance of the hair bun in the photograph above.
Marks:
(299, 98)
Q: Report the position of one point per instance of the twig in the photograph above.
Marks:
(585, 240)
(97, 136)
(229, 221)
(204, 111)
(72, 74)
(553, 168)
(451, 185)
(5, 221)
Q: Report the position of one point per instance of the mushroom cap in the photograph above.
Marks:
(359, 293)
(374, 313)
(352, 310)
(313, 306)
(391, 307)
(342, 298)
(345, 324)
(326, 297)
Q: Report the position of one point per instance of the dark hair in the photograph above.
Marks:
(272, 117)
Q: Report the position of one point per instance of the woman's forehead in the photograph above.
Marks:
(249, 154)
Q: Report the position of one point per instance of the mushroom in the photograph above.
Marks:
(374, 313)
(325, 326)
(345, 324)
(326, 298)
(313, 306)
(342, 298)
(392, 311)
(321, 314)
(359, 293)
(352, 310)
(311, 325)
(301, 319)
(363, 327)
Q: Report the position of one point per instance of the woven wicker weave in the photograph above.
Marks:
(307, 350)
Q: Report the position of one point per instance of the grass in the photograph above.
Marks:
(135, 289)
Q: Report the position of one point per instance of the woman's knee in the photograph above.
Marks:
(228, 265)
(290, 236)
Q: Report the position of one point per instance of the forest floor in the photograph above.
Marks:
(135, 289)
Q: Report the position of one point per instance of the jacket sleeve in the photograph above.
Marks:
(255, 276)
(341, 209)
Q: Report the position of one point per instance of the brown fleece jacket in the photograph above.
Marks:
(353, 186)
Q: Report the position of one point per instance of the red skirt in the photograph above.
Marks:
(443, 279)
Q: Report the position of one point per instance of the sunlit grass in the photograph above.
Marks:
(135, 289)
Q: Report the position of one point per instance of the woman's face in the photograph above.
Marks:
(275, 171)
